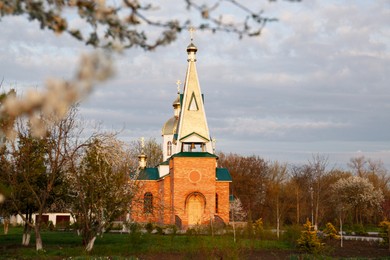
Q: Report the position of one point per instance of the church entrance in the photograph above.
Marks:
(195, 208)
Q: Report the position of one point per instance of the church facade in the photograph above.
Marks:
(187, 188)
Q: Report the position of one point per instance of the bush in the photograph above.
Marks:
(358, 229)
(258, 227)
(385, 232)
(160, 230)
(330, 231)
(308, 241)
(292, 234)
(50, 225)
(149, 227)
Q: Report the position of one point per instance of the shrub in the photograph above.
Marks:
(308, 241)
(258, 227)
(160, 230)
(50, 225)
(330, 231)
(358, 229)
(149, 227)
(292, 234)
(385, 231)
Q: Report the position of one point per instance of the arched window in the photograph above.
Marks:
(148, 202)
(169, 148)
(216, 203)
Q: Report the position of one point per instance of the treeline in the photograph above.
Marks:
(284, 194)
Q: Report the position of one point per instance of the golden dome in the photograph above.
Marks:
(170, 126)
(191, 47)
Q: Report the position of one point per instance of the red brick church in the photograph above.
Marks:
(187, 188)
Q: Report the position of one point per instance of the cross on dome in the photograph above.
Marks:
(142, 143)
(178, 83)
(192, 31)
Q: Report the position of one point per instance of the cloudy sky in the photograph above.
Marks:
(315, 82)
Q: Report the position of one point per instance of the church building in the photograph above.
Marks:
(187, 188)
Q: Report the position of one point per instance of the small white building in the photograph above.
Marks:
(58, 219)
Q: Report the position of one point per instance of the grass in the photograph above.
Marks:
(66, 244)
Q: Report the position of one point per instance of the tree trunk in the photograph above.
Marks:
(90, 244)
(27, 230)
(277, 217)
(6, 226)
(341, 231)
(38, 238)
(317, 207)
(298, 207)
(26, 234)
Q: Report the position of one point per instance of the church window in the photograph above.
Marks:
(169, 148)
(148, 202)
(193, 103)
(216, 203)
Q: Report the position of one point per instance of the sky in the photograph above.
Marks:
(317, 81)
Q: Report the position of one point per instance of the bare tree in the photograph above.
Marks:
(152, 150)
(277, 192)
(250, 176)
(301, 181)
(318, 166)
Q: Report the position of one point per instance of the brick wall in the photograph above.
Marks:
(170, 194)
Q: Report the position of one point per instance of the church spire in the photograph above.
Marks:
(192, 132)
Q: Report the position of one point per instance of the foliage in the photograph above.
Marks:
(250, 176)
(101, 187)
(385, 232)
(292, 234)
(237, 212)
(356, 195)
(35, 169)
(130, 22)
(149, 227)
(258, 227)
(330, 231)
(309, 241)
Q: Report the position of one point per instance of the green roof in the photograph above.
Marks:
(148, 174)
(165, 162)
(194, 154)
(223, 174)
(193, 133)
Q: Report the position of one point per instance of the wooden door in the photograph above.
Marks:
(195, 209)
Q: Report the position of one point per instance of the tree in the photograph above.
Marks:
(152, 150)
(6, 208)
(277, 195)
(129, 22)
(318, 166)
(309, 241)
(250, 177)
(101, 187)
(28, 179)
(357, 196)
(301, 180)
(377, 174)
(38, 166)
(237, 212)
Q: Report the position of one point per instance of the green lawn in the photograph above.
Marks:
(66, 244)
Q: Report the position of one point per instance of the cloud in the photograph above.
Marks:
(315, 81)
